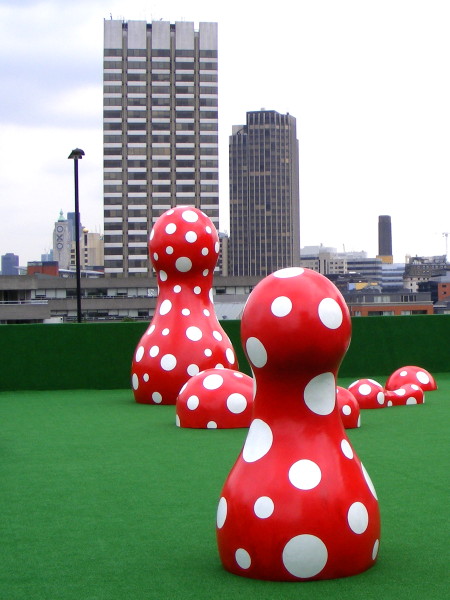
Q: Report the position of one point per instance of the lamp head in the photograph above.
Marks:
(76, 154)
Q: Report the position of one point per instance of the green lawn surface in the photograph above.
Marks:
(103, 499)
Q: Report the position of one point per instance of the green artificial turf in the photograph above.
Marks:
(105, 499)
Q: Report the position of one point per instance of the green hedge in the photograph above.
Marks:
(98, 355)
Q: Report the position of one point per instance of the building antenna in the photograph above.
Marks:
(445, 234)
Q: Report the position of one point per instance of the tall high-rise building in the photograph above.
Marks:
(264, 195)
(10, 264)
(160, 131)
(385, 239)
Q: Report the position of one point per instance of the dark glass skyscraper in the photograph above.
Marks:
(385, 238)
(264, 195)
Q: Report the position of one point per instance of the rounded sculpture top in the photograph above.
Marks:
(183, 242)
(295, 320)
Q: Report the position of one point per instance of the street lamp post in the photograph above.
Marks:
(77, 155)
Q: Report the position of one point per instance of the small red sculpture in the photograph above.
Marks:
(184, 336)
(216, 399)
(409, 393)
(368, 393)
(298, 504)
(348, 408)
(411, 374)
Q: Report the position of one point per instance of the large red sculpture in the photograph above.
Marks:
(298, 504)
(184, 336)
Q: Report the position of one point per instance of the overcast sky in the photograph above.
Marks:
(367, 80)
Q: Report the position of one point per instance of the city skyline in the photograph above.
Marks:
(365, 82)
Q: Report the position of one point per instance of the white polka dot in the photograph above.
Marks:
(305, 556)
(208, 352)
(169, 212)
(217, 247)
(192, 402)
(264, 507)
(256, 352)
(146, 377)
(151, 329)
(163, 275)
(403, 373)
(213, 381)
(177, 289)
(380, 398)
(206, 312)
(358, 517)
(243, 558)
(219, 366)
(165, 331)
(154, 351)
(330, 313)
(208, 229)
(166, 307)
(320, 394)
(221, 513)
(169, 250)
(259, 441)
(152, 233)
(205, 272)
(415, 387)
(411, 400)
(211, 425)
(422, 377)
(346, 449)
(139, 353)
(171, 228)
(369, 482)
(191, 237)
(168, 362)
(281, 306)
(364, 389)
(189, 216)
(186, 312)
(400, 392)
(135, 381)
(197, 290)
(205, 251)
(193, 370)
(375, 549)
(230, 356)
(194, 334)
(155, 255)
(218, 336)
(156, 397)
(238, 375)
(236, 403)
(183, 264)
(347, 410)
(305, 474)
(289, 272)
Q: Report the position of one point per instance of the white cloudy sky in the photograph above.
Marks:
(367, 80)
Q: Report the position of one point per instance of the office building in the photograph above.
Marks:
(160, 131)
(62, 242)
(264, 195)
(385, 239)
(10, 264)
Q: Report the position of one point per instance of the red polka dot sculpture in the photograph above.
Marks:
(184, 336)
(409, 393)
(413, 375)
(369, 393)
(348, 408)
(216, 399)
(298, 504)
